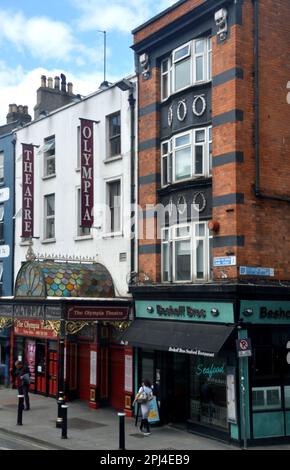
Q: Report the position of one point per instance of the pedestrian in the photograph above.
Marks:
(143, 397)
(22, 376)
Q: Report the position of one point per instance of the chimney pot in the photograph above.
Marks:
(63, 82)
(70, 88)
(20, 109)
(13, 108)
(10, 108)
(56, 83)
(43, 81)
(25, 109)
(50, 82)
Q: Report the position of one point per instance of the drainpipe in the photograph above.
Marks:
(257, 189)
(14, 218)
(132, 102)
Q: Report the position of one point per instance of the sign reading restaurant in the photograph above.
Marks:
(98, 313)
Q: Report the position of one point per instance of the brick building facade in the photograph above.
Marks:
(214, 136)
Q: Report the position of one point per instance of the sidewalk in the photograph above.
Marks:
(91, 429)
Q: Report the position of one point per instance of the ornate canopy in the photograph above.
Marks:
(56, 279)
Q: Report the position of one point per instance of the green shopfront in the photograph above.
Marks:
(187, 350)
(267, 324)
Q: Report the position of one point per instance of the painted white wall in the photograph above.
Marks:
(63, 123)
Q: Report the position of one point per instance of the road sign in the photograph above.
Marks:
(252, 271)
(225, 261)
(244, 347)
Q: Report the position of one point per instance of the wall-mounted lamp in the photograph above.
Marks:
(220, 18)
(144, 63)
(248, 312)
(215, 312)
(150, 309)
(213, 225)
(124, 84)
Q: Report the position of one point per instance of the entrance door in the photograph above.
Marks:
(117, 378)
(40, 372)
(84, 371)
(177, 388)
(52, 372)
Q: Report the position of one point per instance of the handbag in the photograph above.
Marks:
(143, 397)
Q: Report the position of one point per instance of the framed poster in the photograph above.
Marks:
(93, 369)
(231, 395)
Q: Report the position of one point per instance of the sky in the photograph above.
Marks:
(66, 36)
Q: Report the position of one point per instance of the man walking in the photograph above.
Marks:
(22, 376)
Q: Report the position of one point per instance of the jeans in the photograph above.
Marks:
(23, 390)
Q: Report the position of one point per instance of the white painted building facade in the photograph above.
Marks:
(57, 181)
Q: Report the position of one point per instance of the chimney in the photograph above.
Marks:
(63, 82)
(17, 114)
(56, 83)
(53, 94)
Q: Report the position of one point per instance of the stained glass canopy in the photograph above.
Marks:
(56, 279)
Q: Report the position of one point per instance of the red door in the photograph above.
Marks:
(52, 372)
(84, 371)
(117, 378)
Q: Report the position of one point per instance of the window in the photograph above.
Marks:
(78, 147)
(49, 216)
(114, 123)
(266, 398)
(49, 156)
(1, 272)
(186, 252)
(1, 167)
(114, 205)
(187, 65)
(1, 221)
(81, 231)
(187, 156)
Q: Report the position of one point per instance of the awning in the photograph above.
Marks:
(192, 338)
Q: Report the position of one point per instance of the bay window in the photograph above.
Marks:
(186, 252)
(187, 155)
(188, 65)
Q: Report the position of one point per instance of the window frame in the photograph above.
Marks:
(48, 217)
(109, 231)
(168, 160)
(48, 157)
(2, 212)
(192, 55)
(113, 137)
(171, 241)
(2, 167)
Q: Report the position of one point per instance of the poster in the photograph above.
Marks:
(93, 371)
(153, 413)
(128, 373)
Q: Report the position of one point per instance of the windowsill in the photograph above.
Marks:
(113, 159)
(80, 238)
(48, 240)
(25, 243)
(78, 169)
(48, 177)
(192, 182)
(113, 235)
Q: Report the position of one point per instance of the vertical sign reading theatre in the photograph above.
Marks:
(27, 190)
(87, 173)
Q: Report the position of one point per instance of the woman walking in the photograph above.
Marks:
(143, 397)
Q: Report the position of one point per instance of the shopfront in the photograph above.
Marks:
(187, 350)
(267, 324)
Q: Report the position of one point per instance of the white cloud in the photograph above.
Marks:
(42, 38)
(121, 15)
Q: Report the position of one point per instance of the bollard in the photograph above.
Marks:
(64, 422)
(121, 431)
(20, 409)
(60, 402)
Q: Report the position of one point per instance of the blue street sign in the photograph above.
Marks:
(224, 261)
(251, 271)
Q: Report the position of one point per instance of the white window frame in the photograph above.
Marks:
(171, 67)
(49, 142)
(1, 271)
(2, 221)
(171, 243)
(109, 232)
(48, 217)
(81, 232)
(2, 172)
(78, 167)
(109, 137)
(174, 61)
(170, 156)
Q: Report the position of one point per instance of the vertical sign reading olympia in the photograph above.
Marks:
(87, 172)
(27, 190)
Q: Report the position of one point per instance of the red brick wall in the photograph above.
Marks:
(166, 19)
